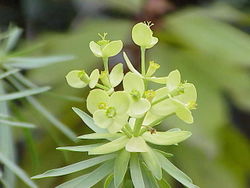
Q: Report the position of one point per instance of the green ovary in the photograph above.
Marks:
(110, 112)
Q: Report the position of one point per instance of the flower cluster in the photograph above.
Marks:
(126, 118)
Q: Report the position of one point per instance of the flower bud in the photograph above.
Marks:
(77, 78)
(152, 68)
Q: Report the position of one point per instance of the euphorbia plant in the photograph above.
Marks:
(125, 119)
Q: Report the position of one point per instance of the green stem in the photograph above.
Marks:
(137, 127)
(102, 87)
(143, 66)
(161, 99)
(105, 63)
(126, 132)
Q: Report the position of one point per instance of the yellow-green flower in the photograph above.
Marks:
(142, 35)
(105, 48)
(109, 111)
(134, 86)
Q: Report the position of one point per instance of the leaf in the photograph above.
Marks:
(40, 108)
(108, 181)
(135, 171)
(121, 166)
(137, 144)
(23, 93)
(129, 64)
(83, 148)
(100, 135)
(36, 62)
(74, 167)
(88, 120)
(96, 176)
(152, 163)
(14, 34)
(112, 146)
(166, 138)
(7, 73)
(18, 171)
(163, 184)
(149, 180)
(72, 183)
(164, 153)
(17, 124)
(175, 172)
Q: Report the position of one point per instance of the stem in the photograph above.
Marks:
(161, 99)
(105, 63)
(126, 132)
(137, 127)
(102, 87)
(143, 66)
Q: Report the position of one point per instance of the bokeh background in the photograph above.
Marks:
(208, 41)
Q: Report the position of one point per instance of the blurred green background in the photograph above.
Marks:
(208, 41)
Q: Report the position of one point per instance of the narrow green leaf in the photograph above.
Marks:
(18, 171)
(74, 167)
(152, 163)
(137, 144)
(83, 148)
(36, 62)
(40, 108)
(110, 146)
(108, 181)
(23, 93)
(16, 123)
(121, 166)
(135, 171)
(72, 183)
(13, 37)
(96, 176)
(7, 145)
(166, 138)
(149, 180)
(88, 120)
(100, 135)
(163, 184)
(175, 172)
(164, 153)
(7, 73)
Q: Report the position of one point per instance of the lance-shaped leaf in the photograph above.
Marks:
(24, 93)
(13, 36)
(74, 167)
(96, 176)
(137, 144)
(121, 166)
(129, 64)
(166, 138)
(83, 148)
(110, 147)
(18, 171)
(135, 171)
(88, 180)
(16, 123)
(8, 73)
(88, 120)
(175, 172)
(39, 107)
(100, 135)
(152, 163)
(36, 62)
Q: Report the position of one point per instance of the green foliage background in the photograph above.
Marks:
(208, 48)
